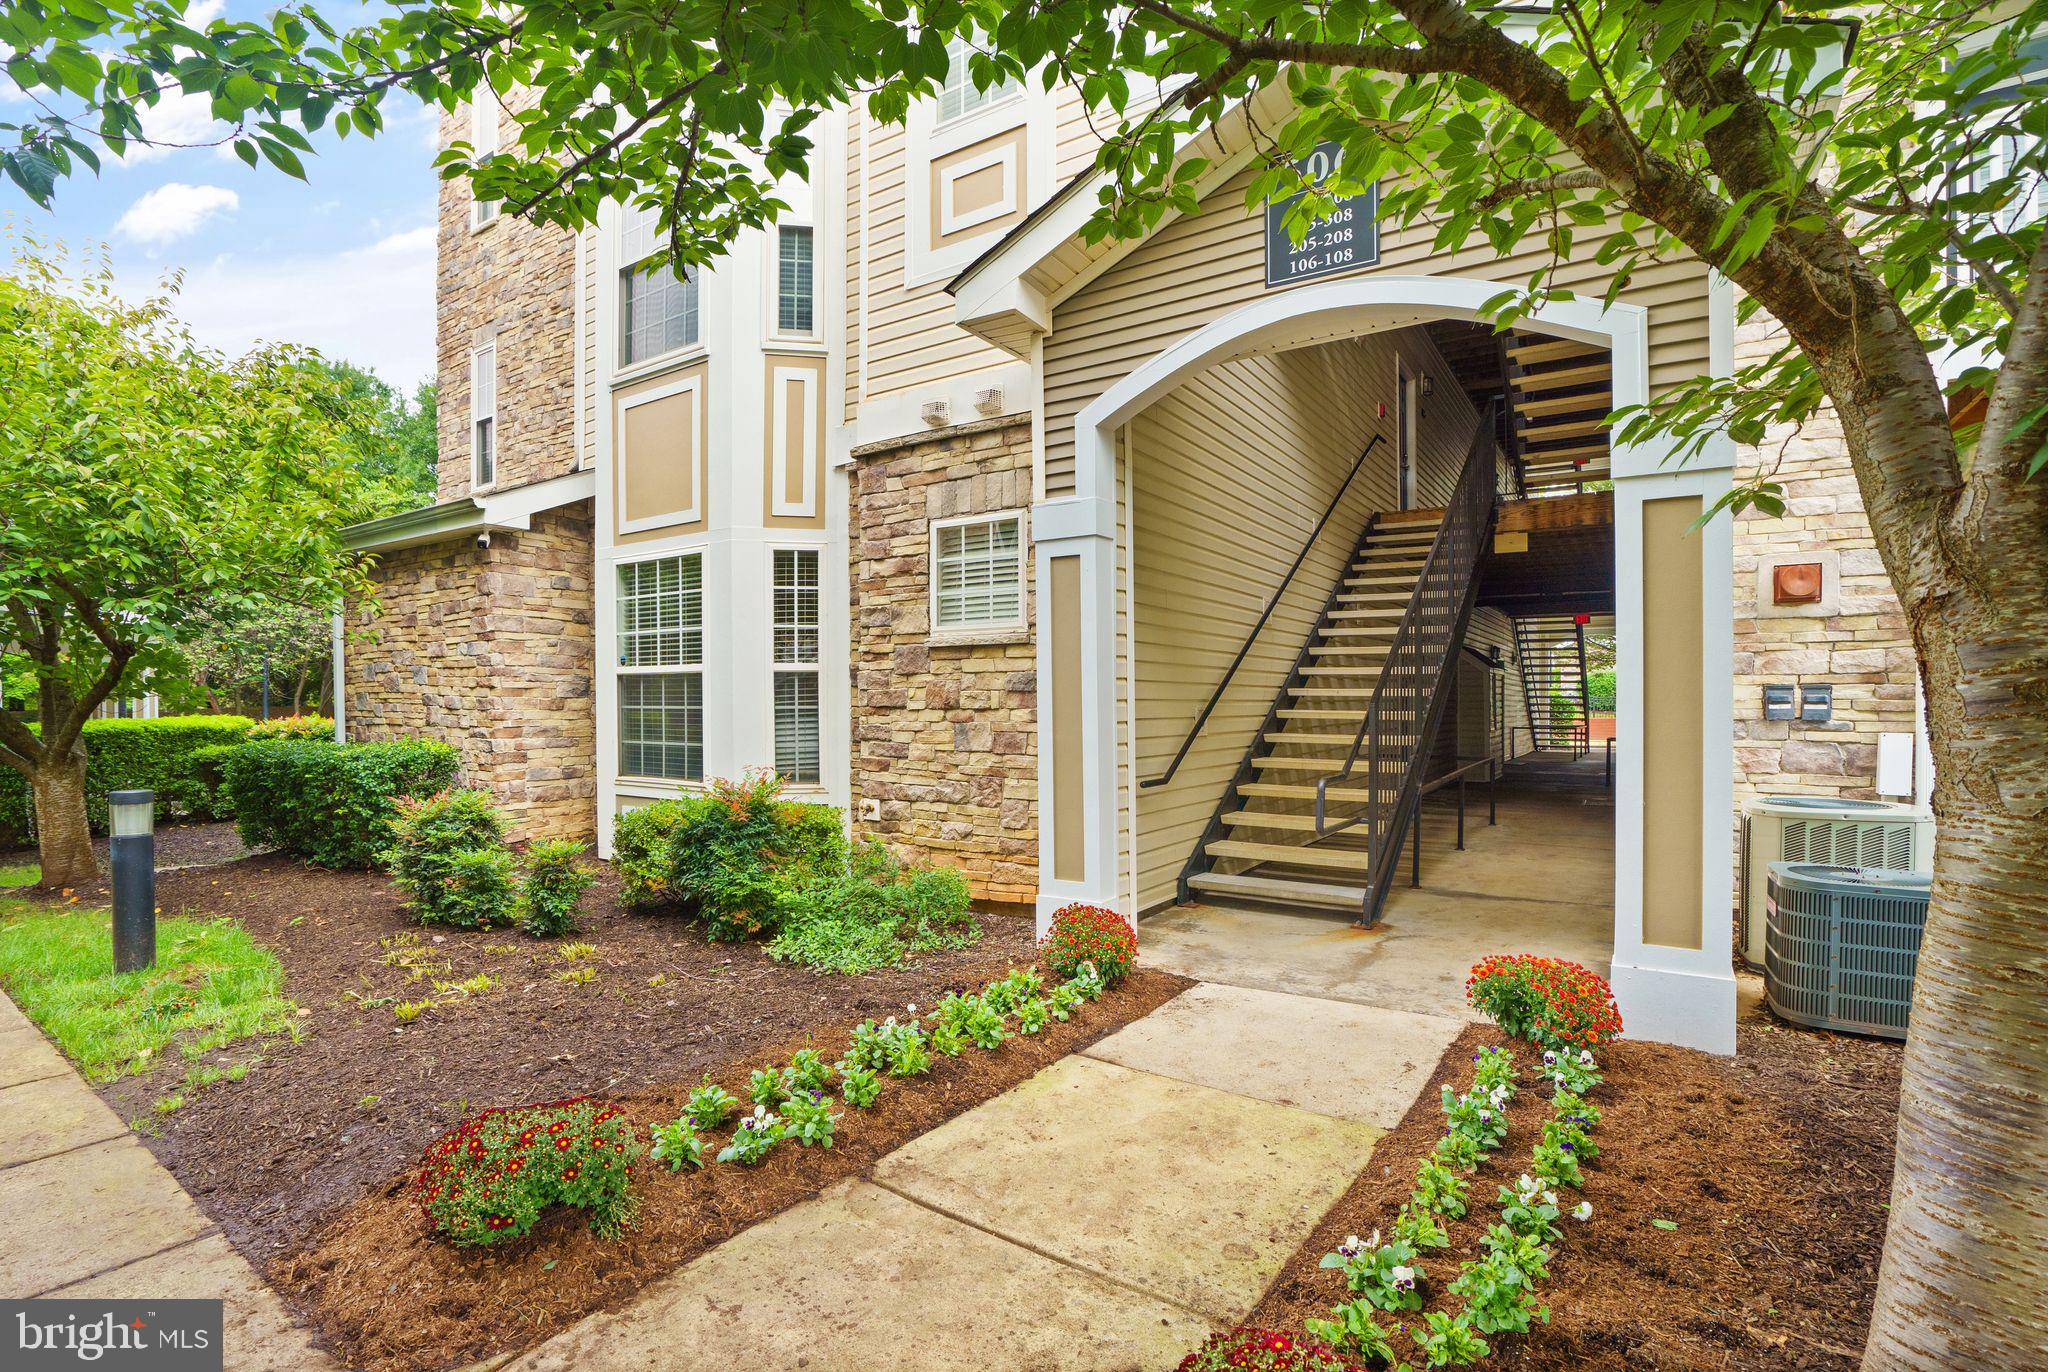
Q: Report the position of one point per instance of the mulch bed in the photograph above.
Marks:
(304, 1162)
(1775, 1165)
(177, 845)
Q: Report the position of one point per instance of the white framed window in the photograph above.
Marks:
(483, 143)
(661, 667)
(958, 97)
(658, 309)
(483, 415)
(796, 685)
(978, 573)
(795, 280)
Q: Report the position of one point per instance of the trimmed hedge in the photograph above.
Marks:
(330, 803)
(133, 755)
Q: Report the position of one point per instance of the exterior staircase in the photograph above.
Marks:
(1552, 650)
(1315, 814)
(1558, 392)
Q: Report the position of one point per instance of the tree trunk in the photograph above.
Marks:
(63, 842)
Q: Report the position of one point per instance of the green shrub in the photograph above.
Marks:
(478, 890)
(296, 727)
(640, 854)
(131, 755)
(872, 915)
(1600, 690)
(427, 836)
(551, 887)
(740, 846)
(331, 803)
(206, 792)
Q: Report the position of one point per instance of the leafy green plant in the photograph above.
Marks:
(908, 1056)
(807, 1071)
(640, 854)
(1459, 1152)
(1419, 1227)
(876, 913)
(1386, 1274)
(1438, 1190)
(1063, 1001)
(754, 1139)
(807, 1118)
(1088, 982)
(1355, 1329)
(1499, 1295)
(331, 803)
(1571, 1070)
(1555, 1163)
(1476, 1117)
(739, 847)
(859, 1087)
(948, 1040)
(552, 881)
(1530, 1208)
(984, 1024)
(767, 1088)
(677, 1144)
(448, 855)
(710, 1105)
(489, 1179)
(1032, 1016)
(1493, 1069)
(1448, 1341)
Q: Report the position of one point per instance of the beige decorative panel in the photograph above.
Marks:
(795, 444)
(659, 441)
(979, 189)
(1674, 730)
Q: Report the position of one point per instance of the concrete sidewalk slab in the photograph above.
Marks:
(860, 1278)
(80, 1213)
(1357, 1062)
(259, 1335)
(1191, 1193)
(52, 1116)
(25, 1055)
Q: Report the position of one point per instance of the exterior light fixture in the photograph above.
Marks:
(132, 824)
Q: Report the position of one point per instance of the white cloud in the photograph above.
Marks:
(178, 121)
(204, 12)
(172, 211)
(372, 305)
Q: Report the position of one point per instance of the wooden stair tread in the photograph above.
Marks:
(1278, 890)
(1337, 859)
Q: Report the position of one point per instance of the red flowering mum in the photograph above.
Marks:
(490, 1178)
(1268, 1350)
(1089, 933)
(1553, 1003)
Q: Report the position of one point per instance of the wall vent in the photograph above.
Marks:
(938, 413)
(989, 401)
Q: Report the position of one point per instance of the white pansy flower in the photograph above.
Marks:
(1402, 1276)
(1583, 1211)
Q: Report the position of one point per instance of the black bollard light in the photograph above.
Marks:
(132, 825)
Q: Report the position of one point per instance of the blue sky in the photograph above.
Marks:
(342, 262)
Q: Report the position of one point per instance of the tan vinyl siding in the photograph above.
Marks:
(1201, 267)
(1228, 476)
(1490, 628)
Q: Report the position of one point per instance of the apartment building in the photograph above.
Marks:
(1079, 566)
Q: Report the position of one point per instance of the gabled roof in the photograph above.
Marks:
(1007, 294)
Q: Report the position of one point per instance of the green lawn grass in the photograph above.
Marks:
(211, 986)
(20, 876)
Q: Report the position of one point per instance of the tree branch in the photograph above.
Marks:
(1539, 185)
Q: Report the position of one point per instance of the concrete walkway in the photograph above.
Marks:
(1104, 1215)
(89, 1214)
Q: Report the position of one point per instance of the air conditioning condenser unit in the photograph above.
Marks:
(1829, 831)
(1842, 945)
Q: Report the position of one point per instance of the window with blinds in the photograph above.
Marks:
(661, 658)
(483, 142)
(958, 97)
(483, 415)
(978, 573)
(795, 607)
(795, 295)
(658, 311)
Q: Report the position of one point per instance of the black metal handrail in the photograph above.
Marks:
(1396, 731)
(1215, 696)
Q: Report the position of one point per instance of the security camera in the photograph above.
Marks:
(483, 540)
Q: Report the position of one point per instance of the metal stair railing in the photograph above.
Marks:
(1394, 737)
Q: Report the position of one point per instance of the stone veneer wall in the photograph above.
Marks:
(944, 733)
(1863, 647)
(516, 282)
(491, 650)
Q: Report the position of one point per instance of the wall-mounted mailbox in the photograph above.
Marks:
(1816, 704)
(1779, 702)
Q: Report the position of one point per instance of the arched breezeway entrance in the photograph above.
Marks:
(1672, 786)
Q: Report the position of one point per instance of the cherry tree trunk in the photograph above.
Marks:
(64, 843)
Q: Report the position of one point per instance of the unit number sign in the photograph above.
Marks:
(1347, 240)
